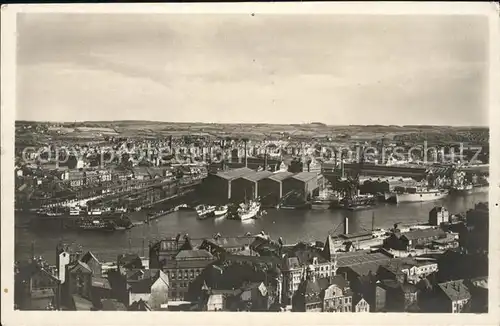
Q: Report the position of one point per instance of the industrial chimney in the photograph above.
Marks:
(346, 225)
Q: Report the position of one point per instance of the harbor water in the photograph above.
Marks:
(292, 225)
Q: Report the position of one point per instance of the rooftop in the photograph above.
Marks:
(360, 257)
(280, 176)
(257, 176)
(422, 234)
(193, 254)
(235, 173)
(231, 242)
(455, 290)
(305, 176)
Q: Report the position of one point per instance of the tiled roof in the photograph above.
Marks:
(258, 176)
(280, 176)
(455, 290)
(305, 176)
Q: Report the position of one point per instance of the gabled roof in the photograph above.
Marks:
(80, 266)
(89, 256)
(421, 234)
(235, 173)
(280, 176)
(455, 290)
(258, 176)
(305, 176)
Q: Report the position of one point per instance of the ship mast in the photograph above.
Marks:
(373, 221)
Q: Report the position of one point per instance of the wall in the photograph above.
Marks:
(241, 188)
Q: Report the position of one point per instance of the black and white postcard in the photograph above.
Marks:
(296, 163)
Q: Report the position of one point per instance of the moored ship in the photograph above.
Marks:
(325, 200)
(205, 211)
(358, 202)
(420, 195)
(220, 211)
(249, 211)
(95, 224)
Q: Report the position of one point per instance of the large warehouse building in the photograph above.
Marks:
(303, 183)
(271, 188)
(245, 187)
(216, 188)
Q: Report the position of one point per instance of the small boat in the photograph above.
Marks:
(184, 207)
(246, 212)
(220, 211)
(205, 211)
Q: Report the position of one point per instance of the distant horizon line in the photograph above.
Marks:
(251, 123)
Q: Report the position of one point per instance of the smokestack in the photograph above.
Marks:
(246, 159)
(346, 225)
(334, 160)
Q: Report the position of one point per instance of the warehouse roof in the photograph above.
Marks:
(305, 176)
(423, 234)
(361, 257)
(236, 173)
(280, 176)
(257, 176)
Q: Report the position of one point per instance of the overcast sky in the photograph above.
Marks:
(266, 68)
